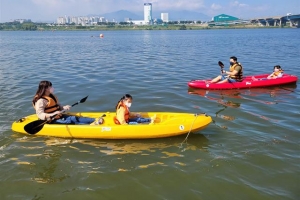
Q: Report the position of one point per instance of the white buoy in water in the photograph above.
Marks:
(101, 35)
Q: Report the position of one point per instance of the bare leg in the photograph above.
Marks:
(254, 79)
(217, 79)
(224, 81)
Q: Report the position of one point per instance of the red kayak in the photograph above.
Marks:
(261, 81)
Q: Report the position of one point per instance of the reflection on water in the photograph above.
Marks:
(43, 165)
(261, 116)
(220, 101)
(236, 98)
(248, 94)
(253, 130)
(50, 166)
(47, 171)
(141, 147)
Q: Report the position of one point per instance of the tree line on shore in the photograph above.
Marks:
(172, 25)
(31, 26)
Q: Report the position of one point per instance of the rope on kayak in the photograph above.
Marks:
(185, 140)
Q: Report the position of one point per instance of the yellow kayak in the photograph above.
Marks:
(165, 125)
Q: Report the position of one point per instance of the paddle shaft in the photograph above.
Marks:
(62, 111)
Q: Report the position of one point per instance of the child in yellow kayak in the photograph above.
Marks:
(124, 116)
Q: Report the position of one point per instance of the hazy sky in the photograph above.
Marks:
(49, 10)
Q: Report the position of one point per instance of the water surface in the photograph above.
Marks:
(250, 151)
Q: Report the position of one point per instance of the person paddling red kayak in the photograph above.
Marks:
(235, 73)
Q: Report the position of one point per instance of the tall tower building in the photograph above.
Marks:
(148, 13)
(164, 17)
(67, 18)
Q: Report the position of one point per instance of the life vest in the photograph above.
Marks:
(127, 113)
(239, 75)
(52, 104)
(275, 74)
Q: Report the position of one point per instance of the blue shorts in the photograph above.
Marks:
(223, 77)
(230, 80)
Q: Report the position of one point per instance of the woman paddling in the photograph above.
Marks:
(47, 107)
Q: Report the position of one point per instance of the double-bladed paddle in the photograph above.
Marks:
(37, 125)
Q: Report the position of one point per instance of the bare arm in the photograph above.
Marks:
(234, 72)
(270, 76)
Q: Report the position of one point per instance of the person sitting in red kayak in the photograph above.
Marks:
(124, 116)
(277, 73)
(235, 73)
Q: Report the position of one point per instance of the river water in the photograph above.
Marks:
(250, 151)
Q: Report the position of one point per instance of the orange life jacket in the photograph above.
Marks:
(239, 75)
(275, 74)
(127, 113)
(52, 104)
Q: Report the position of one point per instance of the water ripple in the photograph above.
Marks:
(250, 149)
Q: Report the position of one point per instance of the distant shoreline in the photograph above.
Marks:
(34, 27)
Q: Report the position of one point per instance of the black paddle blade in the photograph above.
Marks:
(35, 126)
(81, 101)
(84, 99)
(221, 64)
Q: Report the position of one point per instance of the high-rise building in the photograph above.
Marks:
(74, 20)
(102, 19)
(164, 17)
(61, 20)
(148, 13)
(67, 19)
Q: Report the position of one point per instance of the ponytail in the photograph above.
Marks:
(126, 96)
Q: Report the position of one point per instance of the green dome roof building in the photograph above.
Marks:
(224, 18)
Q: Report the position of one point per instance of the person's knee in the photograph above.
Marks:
(218, 78)
(222, 78)
(72, 120)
